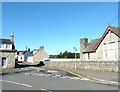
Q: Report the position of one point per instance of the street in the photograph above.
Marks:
(44, 79)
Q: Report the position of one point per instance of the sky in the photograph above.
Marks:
(58, 26)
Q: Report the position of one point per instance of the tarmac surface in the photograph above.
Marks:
(99, 77)
(38, 78)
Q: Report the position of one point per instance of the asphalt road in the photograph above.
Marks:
(44, 79)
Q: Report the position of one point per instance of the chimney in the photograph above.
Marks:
(12, 37)
(83, 45)
(41, 48)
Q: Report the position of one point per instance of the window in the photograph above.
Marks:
(110, 33)
(4, 62)
(1, 45)
(7, 46)
(88, 55)
(111, 42)
(104, 43)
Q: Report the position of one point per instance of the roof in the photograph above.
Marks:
(6, 41)
(94, 44)
(22, 52)
(116, 30)
(91, 45)
(7, 50)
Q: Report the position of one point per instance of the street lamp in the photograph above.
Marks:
(75, 56)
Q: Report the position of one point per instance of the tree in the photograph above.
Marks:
(66, 55)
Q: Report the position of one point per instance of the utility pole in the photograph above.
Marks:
(75, 56)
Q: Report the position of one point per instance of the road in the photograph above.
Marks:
(44, 79)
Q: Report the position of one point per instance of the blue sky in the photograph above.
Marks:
(57, 26)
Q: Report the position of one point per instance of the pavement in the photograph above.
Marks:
(13, 71)
(110, 78)
(102, 77)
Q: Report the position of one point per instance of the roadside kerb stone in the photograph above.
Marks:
(93, 79)
(86, 77)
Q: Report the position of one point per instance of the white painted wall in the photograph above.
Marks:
(20, 57)
(23, 57)
(60, 60)
(30, 59)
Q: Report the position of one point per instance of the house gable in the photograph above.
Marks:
(114, 30)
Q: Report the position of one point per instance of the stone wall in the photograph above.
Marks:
(108, 66)
(10, 57)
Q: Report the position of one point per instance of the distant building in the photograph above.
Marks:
(37, 55)
(106, 48)
(7, 52)
(22, 55)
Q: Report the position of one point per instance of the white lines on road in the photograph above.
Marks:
(57, 76)
(16, 83)
(75, 78)
(85, 79)
(52, 71)
(46, 90)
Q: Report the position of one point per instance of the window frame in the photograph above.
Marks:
(88, 55)
(4, 59)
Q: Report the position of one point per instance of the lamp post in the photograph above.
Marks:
(75, 56)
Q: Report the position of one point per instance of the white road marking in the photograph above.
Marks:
(52, 71)
(46, 90)
(16, 83)
(85, 79)
(75, 78)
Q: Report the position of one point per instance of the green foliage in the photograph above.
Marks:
(66, 55)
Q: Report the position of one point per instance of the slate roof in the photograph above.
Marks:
(6, 41)
(21, 52)
(116, 30)
(91, 45)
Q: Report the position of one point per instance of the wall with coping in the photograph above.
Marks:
(108, 66)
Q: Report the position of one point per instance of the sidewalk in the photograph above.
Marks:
(96, 76)
(10, 71)
(13, 71)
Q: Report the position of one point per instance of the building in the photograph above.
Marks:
(106, 48)
(7, 52)
(37, 55)
(22, 55)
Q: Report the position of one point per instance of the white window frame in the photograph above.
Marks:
(88, 56)
(7, 46)
(0, 45)
(5, 64)
(3, 45)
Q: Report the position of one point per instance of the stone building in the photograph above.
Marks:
(37, 55)
(106, 48)
(7, 53)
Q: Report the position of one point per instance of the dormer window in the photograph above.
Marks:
(1, 45)
(7, 46)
